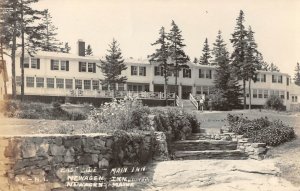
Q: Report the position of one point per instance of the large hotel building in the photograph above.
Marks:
(63, 74)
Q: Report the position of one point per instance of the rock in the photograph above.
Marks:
(256, 145)
(88, 159)
(57, 150)
(109, 143)
(43, 149)
(29, 150)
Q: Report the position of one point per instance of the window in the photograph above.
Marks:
(87, 84)
(186, 73)
(104, 87)
(279, 79)
(266, 95)
(260, 93)
(50, 82)
(26, 62)
(276, 93)
(158, 71)
(39, 82)
(254, 93)
(54, 64)
(271, 92)
(293, 99)
(121, 87)
(274, 79)
(69, 84)
(208, 74)
(205, 90)
(18, 80)
(59, 83)
(133, 70)
(82, 67)
(198, 90)
(92, 67)
(35, 63)
(287, 81)
(261, 78)
(142, 71)
(95, 84)
(247, 92)
(63, 65)
(201, 73)
(287, 95)
(30, 82)
(78, 84)
(282, 94)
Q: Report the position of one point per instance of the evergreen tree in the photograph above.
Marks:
(89, 50)
(161, 56)
(252, 63)
(66, 48)
(273, 68)
(239, 42)
(204, 59)
(49, 43)
(226, 85)
(178, 56)
(297, 74)
(195, 60)
(113, 66)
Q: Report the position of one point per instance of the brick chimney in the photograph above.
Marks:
(81, 47)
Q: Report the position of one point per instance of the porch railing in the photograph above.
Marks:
(194, 101)
(179, 102)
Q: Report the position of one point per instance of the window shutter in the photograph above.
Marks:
(20, 62)
(131, 70)
(38, 64)
(162, 71)
(80, 66)
(209, 74)
(145, 71)
(199, 73)
(155, 70)
(67, 65)
(265, 78)
(52, 63)
(94, 67)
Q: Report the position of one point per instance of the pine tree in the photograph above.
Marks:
(66, 48)
(177, 54)
(49, 43)
(195, 60)
(226, 85)
(239, 42)
(204, 59)
(297, 74)
(113, 66)
(89, 51)
(161, 56)
(273, 68)
(252, 63)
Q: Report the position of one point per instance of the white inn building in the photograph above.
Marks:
(68, 75)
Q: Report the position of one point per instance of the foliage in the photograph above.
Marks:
(274, 102)
(226, 96)
(261, 130)
(66, 48)
(204, 60)
(120, 114)
(297, 74)
(113, 66)
(161, 55)
(89, 51)
(36, 110)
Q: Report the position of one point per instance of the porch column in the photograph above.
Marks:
(180, 91)
(151, 87)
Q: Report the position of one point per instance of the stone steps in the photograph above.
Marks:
(202, 145)
(210, 154)
(197, 136)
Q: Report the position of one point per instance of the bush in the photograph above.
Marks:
(261, 130)
(274, 102)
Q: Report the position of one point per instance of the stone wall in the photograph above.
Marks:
(39, 162)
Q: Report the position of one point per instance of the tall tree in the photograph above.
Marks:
(239, 42)
(226, 85)
(297, 74)
(89, 50)
(273, 68)
(177, 54)
(204, 59)
(49, 42)
(161, 56)
(66, 48)
(252, 63)
(195, 60)
(112, 67)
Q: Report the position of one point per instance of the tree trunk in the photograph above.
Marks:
(249, 94)
(244, 92)
(13, 58)
(166, 87)
(23, 51)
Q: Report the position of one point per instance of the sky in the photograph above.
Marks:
(135, 25)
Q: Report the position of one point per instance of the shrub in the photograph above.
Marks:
(274, 102)
(261, 130)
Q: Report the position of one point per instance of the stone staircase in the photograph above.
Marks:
(187, 105)
(198, 146)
